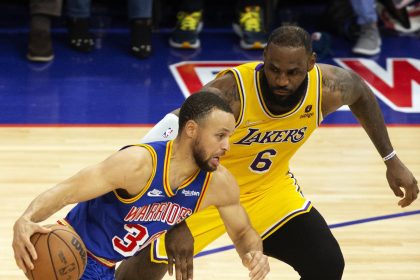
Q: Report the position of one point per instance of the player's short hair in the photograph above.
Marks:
(291, 36)
(198, 105)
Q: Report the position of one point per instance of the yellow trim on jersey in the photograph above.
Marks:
(166, 185)
(64, 222)
(149, 182)
(281, 223)
(240, 87)
(203, 190)
(189, 180)
(320, 117)
(102, 261)
(153, 247)
(264, 106)
(241, 94)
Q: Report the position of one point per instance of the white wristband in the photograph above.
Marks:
(388, 157)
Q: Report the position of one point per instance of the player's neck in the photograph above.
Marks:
(182, 163)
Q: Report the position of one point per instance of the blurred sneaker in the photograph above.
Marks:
(40, 46)
(369, 41)
(251, 28)
(141, 38)
(80, 37)
(185, 35)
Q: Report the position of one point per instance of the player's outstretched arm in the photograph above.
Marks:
(224, 192)
(119, 170)
(344, 87)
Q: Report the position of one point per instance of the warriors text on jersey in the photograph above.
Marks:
(114, 228)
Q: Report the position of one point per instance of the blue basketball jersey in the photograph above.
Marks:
(114, 228)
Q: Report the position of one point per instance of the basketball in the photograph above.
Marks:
(61, 255)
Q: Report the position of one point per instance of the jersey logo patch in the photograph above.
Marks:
(168, 132)
(251, 123)
(190, 193)
(155, 193)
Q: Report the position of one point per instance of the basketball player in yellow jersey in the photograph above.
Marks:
(277, 105)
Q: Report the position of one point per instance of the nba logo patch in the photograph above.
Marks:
(168, 133)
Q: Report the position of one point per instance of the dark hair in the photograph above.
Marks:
(291, 36)
(198, 105)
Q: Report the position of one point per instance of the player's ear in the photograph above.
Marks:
(311, 61)
(191, 128)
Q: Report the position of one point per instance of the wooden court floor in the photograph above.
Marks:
(338, 169)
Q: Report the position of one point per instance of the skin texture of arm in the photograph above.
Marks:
(344, 87)
(223, 192)
(127, 169)
(225, 87)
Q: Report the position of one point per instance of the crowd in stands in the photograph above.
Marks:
(249, 24)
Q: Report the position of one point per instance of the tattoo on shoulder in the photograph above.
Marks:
(340, 82)
(231, 95)
(227, 92)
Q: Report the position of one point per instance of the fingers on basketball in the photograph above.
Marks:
(61, 255)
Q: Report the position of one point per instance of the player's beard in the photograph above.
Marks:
(200, 157)
(285, 101)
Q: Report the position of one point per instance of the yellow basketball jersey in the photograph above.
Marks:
(260, 150)
(263, 143)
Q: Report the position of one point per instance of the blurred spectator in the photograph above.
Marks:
(139, 15)
(250, 25)
(401, 16)
(369, 40)
(399, 4)
(40, 44)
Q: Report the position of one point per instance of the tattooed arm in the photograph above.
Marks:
(344, 87)
(225, 87)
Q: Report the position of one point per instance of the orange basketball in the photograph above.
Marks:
(61, 255)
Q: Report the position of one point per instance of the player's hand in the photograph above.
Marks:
(22, 246)
(179, 244)
(257, 264)
(400, 178)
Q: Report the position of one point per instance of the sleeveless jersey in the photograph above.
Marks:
(114, 228)
(263, 143)
(259, 155)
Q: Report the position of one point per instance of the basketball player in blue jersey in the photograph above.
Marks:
(141, 191)
(277, 104)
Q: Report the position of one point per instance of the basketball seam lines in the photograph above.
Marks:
(49, 253)
(74, 255)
